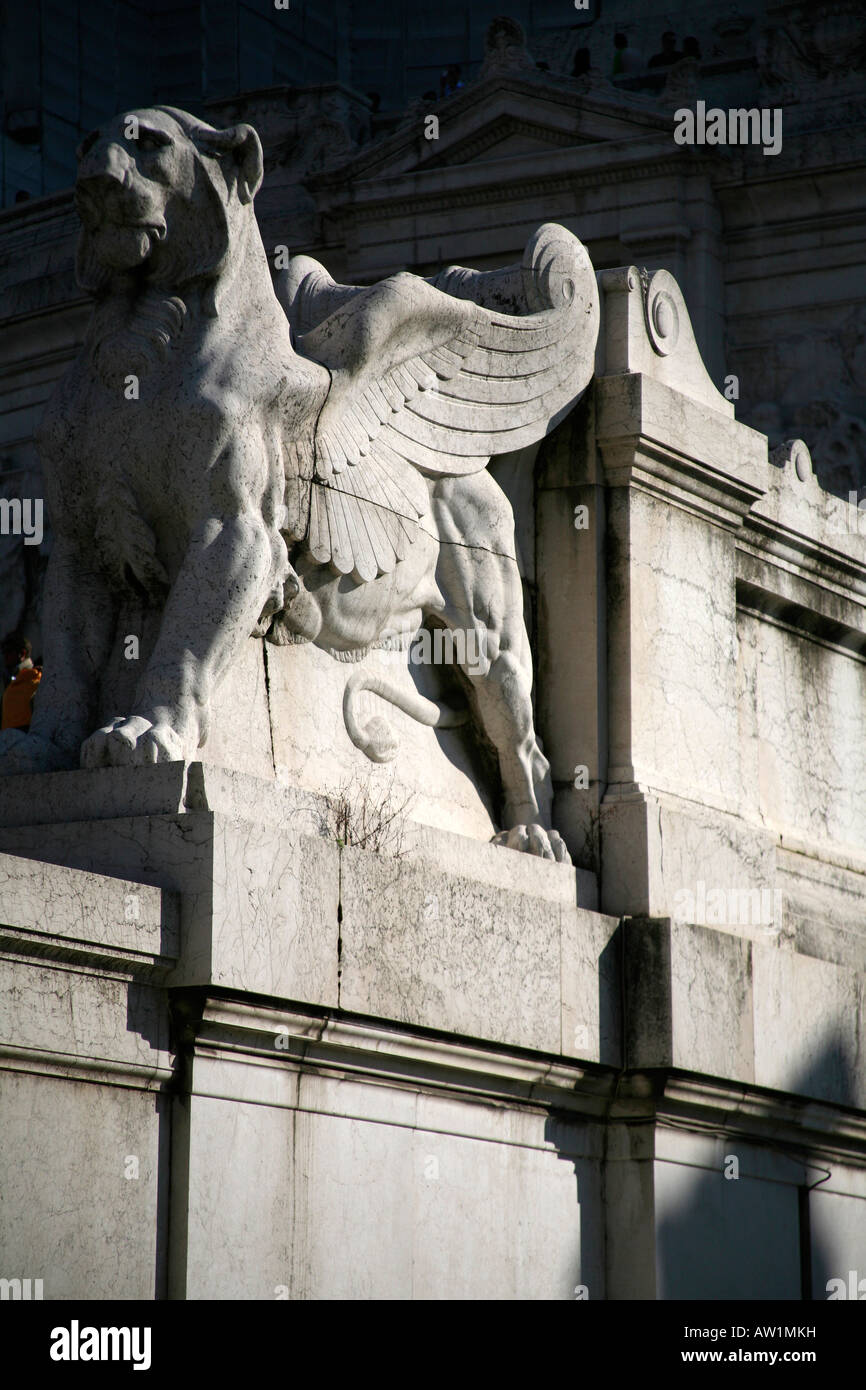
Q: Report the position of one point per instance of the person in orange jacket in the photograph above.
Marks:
(17, 709)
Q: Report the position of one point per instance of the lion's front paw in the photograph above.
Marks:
(534, 839)
(131, 743)
(20, 752)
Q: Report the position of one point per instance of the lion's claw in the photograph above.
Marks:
(534, 839)
(131, 742)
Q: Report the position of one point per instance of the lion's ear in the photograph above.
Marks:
(241, 145)
(248, 157)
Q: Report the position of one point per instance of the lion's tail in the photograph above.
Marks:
(376, 738)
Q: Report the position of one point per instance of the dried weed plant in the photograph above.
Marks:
(362, 816)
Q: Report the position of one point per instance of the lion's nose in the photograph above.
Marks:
(105, 166)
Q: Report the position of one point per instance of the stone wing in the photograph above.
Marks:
(426, 384)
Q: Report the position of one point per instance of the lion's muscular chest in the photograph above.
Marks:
(118, 415)
(96, 429)
(113, 441)
(129, 440)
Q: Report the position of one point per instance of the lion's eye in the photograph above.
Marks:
(149, 143)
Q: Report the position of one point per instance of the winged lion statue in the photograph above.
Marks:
(284, 456)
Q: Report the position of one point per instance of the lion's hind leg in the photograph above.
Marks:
(482, 607)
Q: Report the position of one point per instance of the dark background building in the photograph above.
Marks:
(66, 66)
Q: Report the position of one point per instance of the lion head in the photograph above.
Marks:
(157, 193)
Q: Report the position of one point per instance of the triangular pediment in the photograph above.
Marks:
(510, 133)
(502, 118)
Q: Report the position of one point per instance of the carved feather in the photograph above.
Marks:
(425, 383)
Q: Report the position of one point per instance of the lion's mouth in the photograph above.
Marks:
(155, 230)
(100, 218)
(123, 243)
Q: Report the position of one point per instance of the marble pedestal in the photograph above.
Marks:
(240, 1060)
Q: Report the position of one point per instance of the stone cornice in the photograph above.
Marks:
(837, 1132)
(686, 465)
(484, 182)
(638, 462)
(772, 538)
(784, 560)
(96, 1070)
(801, 621)
(217, 1026)
(800, 561)
(18, 943)
(34, 210)
(239, 1028)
